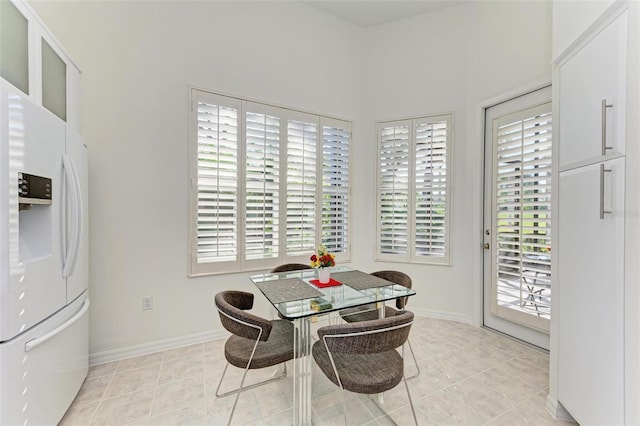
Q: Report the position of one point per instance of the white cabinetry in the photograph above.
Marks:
(591, 246)
(593, 98)
(591, 226)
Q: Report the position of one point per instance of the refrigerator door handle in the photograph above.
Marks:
(34, 343)
(71, 177)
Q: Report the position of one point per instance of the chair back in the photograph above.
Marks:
(231, 306)
(368, 337)
(290, 267)
(396, 277)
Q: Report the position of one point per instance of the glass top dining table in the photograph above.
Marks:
(296, 298)
(294, 295)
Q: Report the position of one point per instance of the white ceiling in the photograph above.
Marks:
(369, 13)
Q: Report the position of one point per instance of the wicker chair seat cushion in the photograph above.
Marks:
(277, 349)
(365, 313)
(368, 374)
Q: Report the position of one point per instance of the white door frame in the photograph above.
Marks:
(478, 198)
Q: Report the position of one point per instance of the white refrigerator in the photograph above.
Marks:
(44, 299)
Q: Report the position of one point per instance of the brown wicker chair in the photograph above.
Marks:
(361, 357)
(290, 267)
(255, 342)
(370, 312)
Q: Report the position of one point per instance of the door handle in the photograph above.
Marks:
(604, 126)
(602, 172)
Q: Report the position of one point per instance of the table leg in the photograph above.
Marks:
(302, 369)
(381, 313)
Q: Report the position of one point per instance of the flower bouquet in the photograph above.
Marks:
(323, 261)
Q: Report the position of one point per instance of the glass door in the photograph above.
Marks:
(517, 240)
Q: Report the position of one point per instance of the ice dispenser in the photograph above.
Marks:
(34, 199)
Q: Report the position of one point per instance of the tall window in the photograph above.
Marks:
(268, 185)
(413, 189)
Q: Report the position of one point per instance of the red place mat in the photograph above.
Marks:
(331, 283)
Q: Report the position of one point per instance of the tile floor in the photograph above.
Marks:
(469, 376)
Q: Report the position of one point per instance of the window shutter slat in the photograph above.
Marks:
(523, 201)
(217, 217)
(430, 180)
(393, 188)
(262, 186)
(302, 139)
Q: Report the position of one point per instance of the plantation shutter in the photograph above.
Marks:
(302, 178)
(268, 184)
(523, 205)
(431, 186)
(262, 182)
(336, 138)
(216, 180)
(393, 187)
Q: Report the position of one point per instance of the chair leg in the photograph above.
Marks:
(414, 361)
(413, 411)
(240, 389)
(255, 385)
(344, 406)
(406, 386)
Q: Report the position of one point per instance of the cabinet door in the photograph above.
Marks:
(590, 290)
(593, 97)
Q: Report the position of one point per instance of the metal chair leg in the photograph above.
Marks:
(414, 361)
(255, 385)
(413, 411)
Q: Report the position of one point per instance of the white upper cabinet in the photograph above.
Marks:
(33, 61)
(14, 46)
(593, 98)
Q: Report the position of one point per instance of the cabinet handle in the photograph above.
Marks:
(604, 126)
(602, 172)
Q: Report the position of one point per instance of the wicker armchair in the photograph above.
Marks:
(362, 357)
(370, 312)
(255, 342)
(290, 267)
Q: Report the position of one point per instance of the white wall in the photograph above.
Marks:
(137, 59)
(571, 18)
(450, 61)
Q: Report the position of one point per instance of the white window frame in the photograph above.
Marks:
(240, 263)
(410, 255)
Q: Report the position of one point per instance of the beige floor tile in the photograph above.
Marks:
(191, 415)
(180, 368)
(123, 409)
(140, 361)
(128, 381)
(445, 408)
(468, 376)
(178, 394)
(79, 414)
(106, 369)
(195, 352)
(92, 390)
(503, 383)
(484, 400)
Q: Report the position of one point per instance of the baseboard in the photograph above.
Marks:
(443, 315)
(557, 411)
(163, 345)
(155, 346)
